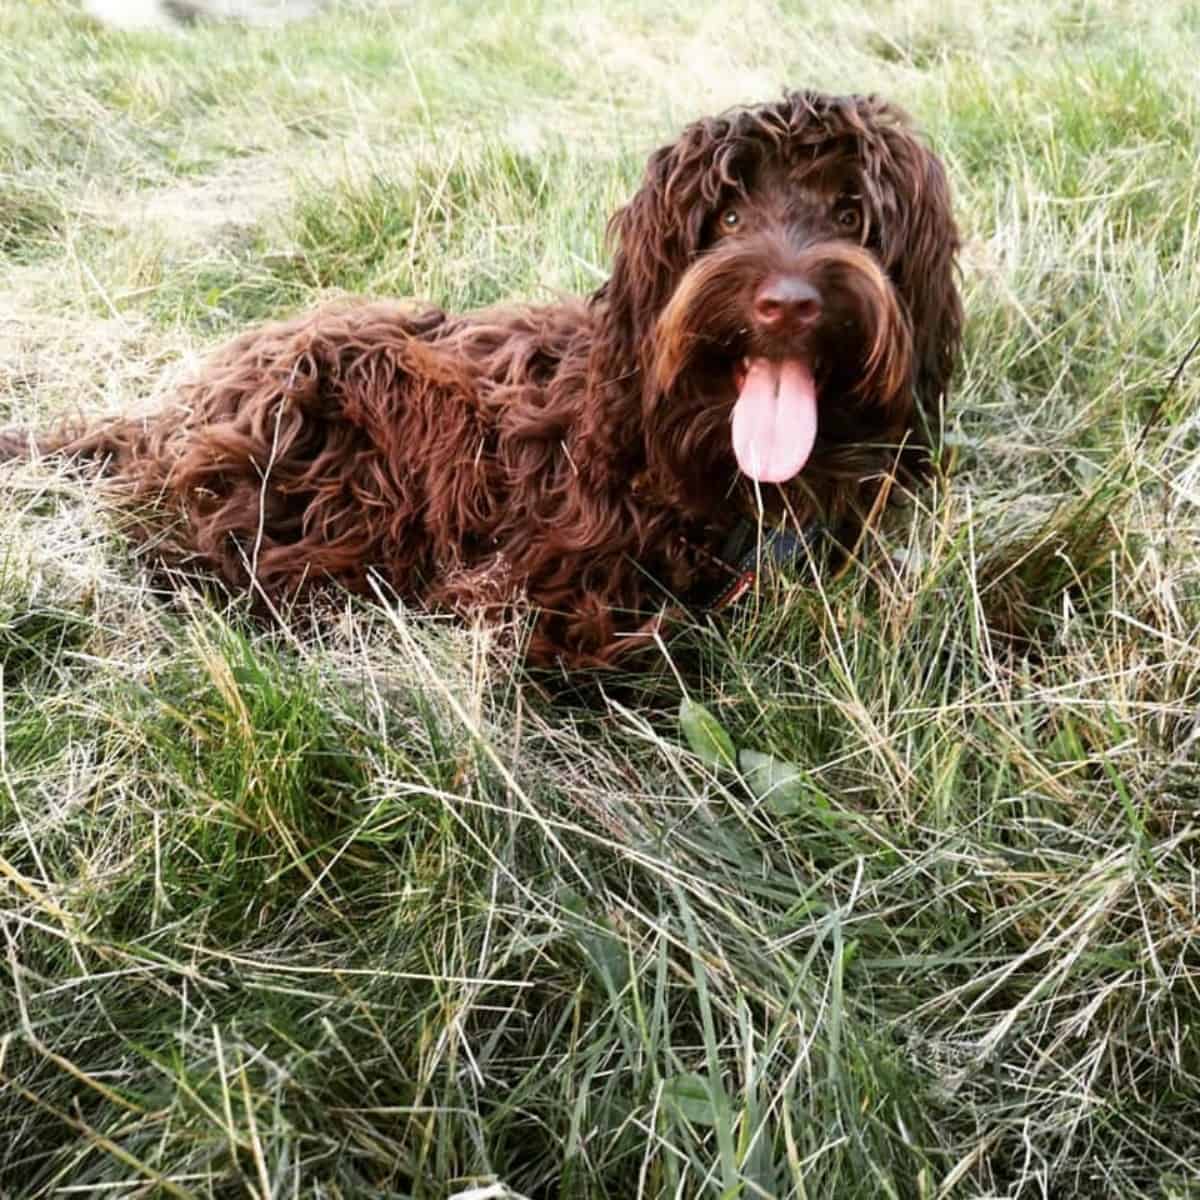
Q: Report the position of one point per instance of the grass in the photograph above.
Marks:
(356, 911)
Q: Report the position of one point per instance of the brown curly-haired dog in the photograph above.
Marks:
(778, 334)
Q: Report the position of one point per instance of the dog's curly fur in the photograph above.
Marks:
(578, 455)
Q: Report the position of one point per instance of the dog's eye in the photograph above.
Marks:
(730, 219)
(848, 217)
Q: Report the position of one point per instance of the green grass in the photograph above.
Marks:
(355, 911)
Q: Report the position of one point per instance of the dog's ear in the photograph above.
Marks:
(658, 233)
(920, 248)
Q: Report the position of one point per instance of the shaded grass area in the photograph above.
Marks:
(372, 234)
(323, 843)
(353, 910)
(30, 222)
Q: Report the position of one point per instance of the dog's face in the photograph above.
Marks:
(791, 270)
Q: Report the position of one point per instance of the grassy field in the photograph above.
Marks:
(360, 914)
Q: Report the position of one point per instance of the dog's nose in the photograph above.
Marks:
(787, 304)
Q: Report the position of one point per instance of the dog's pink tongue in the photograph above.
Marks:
(775, 419)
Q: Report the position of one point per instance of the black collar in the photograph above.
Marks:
(747, 551)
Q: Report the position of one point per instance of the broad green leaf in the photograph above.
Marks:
(705, 734)
(777, 783)
(692, 1097)
(605, 952)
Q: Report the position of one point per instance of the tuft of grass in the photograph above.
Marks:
(458, 229)
(30, 221)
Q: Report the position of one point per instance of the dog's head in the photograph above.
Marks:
(785, 277)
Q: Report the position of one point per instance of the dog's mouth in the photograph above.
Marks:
(775, 417)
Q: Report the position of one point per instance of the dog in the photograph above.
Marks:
(775, 344)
